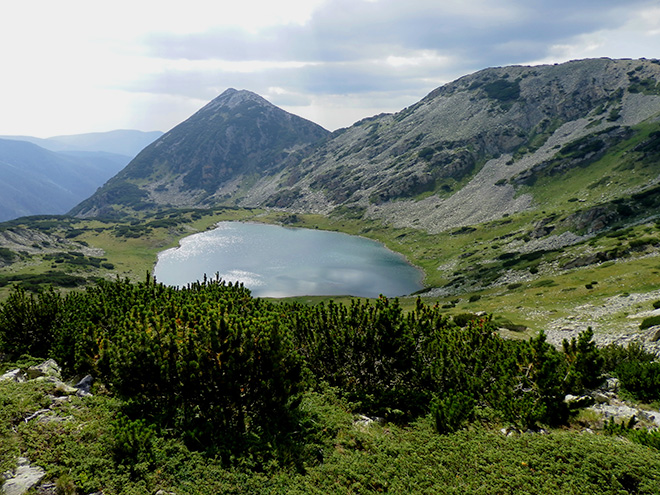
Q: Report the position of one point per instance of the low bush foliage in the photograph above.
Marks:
(217, 366)
(208, 383)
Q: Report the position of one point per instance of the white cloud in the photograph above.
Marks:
(80, 66)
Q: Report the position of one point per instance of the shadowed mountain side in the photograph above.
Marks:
(237, 137)
(38, 181)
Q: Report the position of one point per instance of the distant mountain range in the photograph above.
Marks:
(38, 180)
(119, 142)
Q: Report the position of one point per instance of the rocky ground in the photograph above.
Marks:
(26, 476)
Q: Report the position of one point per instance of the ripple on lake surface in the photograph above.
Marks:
(274, 261)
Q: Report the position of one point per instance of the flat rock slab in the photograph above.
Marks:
(24, 478)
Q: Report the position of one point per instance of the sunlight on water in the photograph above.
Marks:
(275, 261)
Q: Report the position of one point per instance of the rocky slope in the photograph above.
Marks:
(463, 155)
(467, 142)
(237, 137)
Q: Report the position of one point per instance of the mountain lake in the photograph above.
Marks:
(274, 261)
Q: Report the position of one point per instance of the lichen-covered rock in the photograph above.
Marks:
(16, 375)
(24, 478)
(47, 368)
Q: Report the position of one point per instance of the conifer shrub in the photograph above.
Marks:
(369, 351)
(26, 322)
(649, 322)
(583, 361)
(641, 380)
(219, 368)
(615, 354)
(463, 319)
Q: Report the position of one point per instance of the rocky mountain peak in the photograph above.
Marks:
(236, 135)
(233, 98)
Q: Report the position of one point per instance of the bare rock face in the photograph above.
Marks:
(237, 134)
(23, 478)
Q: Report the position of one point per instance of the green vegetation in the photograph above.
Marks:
(208, 389)
(649, 322)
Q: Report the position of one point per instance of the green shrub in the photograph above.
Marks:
(615, 354)
(641, 380)
(503, 90)
(131, 440)
(7, 255)
(452, 411)
(649, 322)
(649, 438)
(463, 319)
(584, 363)
(371, 352)
(26, 322)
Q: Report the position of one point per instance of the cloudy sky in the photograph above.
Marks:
(75, 66)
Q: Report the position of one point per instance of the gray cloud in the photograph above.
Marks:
(344, 47)
(323, 79)
(349, 30)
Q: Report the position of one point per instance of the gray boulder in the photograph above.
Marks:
(14, 376)
(24, 478)
(84, 386)
(47, 368)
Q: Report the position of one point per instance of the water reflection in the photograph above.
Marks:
(275, 261)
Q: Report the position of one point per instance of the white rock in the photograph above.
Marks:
(24, 478)
(47, 368)
(14, 375)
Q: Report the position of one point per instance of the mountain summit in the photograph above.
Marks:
(237, 136)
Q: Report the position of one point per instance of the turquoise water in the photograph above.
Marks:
(275, 261)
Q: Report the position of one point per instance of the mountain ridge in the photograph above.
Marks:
(126, 142)
(468, 140)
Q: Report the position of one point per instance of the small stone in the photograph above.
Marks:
(600, 398)
(47, 489)
(84, 386)
(60, 387)
(653, 334)
(577, 402)
(612, 384)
